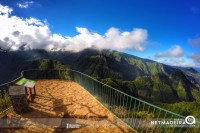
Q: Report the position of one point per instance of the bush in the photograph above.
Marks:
(4, 100)
(143, 114)
(184, 108)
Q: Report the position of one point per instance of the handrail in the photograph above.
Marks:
(12, 81)
(132, 96)
(83, 80)
(22, 74)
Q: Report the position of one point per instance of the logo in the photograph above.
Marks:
(190, 120)
(72, 126)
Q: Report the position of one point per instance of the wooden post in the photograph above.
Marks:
(31, 96)
(26, 91)
(34, 90)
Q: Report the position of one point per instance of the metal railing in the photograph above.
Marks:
(136, 113)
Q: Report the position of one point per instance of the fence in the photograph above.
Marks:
(135, 112)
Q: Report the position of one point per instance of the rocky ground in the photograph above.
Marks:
(64, 106)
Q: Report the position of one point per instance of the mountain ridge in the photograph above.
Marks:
(142, 66)
(144, 78)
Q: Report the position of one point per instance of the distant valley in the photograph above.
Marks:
(139, 77)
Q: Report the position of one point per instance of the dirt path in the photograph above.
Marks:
(63, 106)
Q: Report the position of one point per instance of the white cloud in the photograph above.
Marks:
(177, 61)
(112, 39)
(195, 57)
(195, 42)
(24, 33)
(5, 10)
(33, 21)
(174, 51)
(25, 4)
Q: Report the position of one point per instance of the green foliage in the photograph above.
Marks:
(110, 82)
(125, 86)
(48, 69)
(96, 66)
(155, 88)
(196, 94)
(144, 86)
(144, 83)
(4, 100)
(181, 91)
(163, 92)
(43, 64)
(50, 64)
(184, 108)
(116, 55)
(143, 114)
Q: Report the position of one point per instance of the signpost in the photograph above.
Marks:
(29, 85)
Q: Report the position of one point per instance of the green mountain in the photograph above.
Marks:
(143, 78)
(107, 64)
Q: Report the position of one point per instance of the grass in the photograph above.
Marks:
(4, 100)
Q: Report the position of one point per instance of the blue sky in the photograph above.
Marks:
(170, 29)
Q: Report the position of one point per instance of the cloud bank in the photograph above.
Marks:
(195, 57)
(175, 62)
(30, 33)
(174, 51)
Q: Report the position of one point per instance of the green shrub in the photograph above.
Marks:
(184, 108)
(4, 100)
(143, 114)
